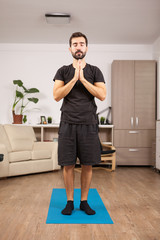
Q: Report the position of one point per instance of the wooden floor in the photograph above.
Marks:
(130, 194)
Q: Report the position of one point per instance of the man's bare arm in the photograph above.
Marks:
(60, 90)
(98, 90)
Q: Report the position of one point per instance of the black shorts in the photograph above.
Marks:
(78, 141)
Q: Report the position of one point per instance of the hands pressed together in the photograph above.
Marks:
(79, 72)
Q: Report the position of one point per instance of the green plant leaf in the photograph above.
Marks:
(32, 90)
(18, 82)
(19, 94)
(25, 89)
(35, 100)
(25, 118)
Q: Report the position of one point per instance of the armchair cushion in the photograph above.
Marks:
(19, 156)
(20, 137)
(41, 154)
(107, 152)
(4, 139)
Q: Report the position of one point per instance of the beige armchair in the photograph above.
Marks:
(23, 154)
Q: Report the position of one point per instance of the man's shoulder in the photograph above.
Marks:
(65, 67)
(91, 67)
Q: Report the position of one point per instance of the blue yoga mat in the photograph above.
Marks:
(59, 200)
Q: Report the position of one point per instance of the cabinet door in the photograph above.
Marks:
(134, 156)
(125, 138)
(145, 94)
(145, 138)
(122, 94)
(134, 138)
(158, 160)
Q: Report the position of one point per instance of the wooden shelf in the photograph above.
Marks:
(49, 132)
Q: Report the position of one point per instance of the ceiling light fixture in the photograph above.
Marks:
(57, 18)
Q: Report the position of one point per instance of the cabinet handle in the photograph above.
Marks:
(136, 121)
(133, 131)
(132, 122)
(133, 150)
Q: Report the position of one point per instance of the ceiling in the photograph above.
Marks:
(103, 21)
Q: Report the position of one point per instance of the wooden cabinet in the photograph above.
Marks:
(158, 145)
(122, 94)
(134, 138)
(145, 94)
(133, 110)
(131, 156)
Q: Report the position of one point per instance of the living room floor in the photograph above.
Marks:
(130, 194)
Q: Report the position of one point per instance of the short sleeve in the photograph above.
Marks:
(98, 77)
(59, 74)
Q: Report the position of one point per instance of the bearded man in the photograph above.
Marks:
(78, 84)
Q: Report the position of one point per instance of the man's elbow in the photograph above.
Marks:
(56, 98)
(103, 97)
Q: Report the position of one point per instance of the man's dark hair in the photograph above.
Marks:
(78, 34)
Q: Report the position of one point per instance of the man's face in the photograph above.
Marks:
(78, 48)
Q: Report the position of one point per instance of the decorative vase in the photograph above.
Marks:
(17, 119)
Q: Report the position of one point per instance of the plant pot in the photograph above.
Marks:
(17, 119)
(102, 122)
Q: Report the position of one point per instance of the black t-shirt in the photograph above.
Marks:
(79, 106)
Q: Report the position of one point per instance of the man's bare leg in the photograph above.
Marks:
(68, 175)
(86, 177)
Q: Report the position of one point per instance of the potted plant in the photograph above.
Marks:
(49, 119)
(20, 96)
(102, 119)
(25, 118)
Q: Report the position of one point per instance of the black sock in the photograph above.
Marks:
(68, 209)
(85, 207)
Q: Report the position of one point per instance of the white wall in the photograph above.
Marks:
(36, 65)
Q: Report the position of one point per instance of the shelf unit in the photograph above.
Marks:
(49, 132)
(46, 132)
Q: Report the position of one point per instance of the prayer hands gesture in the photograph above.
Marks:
(79, 72)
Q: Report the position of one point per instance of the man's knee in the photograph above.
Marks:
(68, 168)
(86, 168)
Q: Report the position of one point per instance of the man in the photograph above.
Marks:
(78, 84)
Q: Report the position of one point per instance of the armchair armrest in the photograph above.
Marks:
(4, 165)
(108, 146)
(51, 146)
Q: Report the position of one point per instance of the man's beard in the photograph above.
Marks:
(79, 55)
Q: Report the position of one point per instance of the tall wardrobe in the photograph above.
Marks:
(133, 110)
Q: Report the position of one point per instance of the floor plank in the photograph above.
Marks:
(130, 194)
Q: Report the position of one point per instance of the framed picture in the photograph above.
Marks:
(43, 119)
